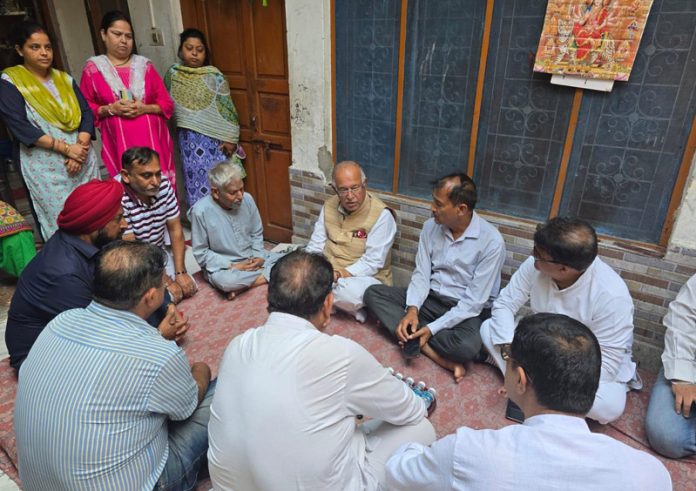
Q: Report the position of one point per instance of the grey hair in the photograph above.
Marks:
(347, 163)
(223, 173)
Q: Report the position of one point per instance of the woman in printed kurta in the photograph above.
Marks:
(207, 121)
(129, 100)
(51, 122)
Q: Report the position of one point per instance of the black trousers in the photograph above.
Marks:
(460, 343)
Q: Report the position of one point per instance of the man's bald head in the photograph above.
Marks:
(569, 241)
(125, 271)
(349, 183)
(299, 284)
(348, 168)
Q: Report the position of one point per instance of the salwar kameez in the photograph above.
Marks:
(118, 133)
(43, 170)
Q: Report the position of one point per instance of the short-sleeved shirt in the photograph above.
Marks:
(93, 401)
(148, 221)
(59, 278)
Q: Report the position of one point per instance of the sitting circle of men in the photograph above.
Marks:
(294, 407)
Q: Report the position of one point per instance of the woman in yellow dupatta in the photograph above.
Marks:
(51, 122)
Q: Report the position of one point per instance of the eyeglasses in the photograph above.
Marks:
(506, 354)
(539, 259)
(347, 191)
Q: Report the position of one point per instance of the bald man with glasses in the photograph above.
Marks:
(565, 276)
(355, 232)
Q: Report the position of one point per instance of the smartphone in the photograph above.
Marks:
(514, 412)
(412, 347)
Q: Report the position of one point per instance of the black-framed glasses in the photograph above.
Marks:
(506, 354)
(539, 259)
(346, 191)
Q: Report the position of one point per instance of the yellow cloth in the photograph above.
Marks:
(346, 235)
(66, 114)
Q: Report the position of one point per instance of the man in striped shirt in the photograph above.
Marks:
(125, 410)
(150, 207)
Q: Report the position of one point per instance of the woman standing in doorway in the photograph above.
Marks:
(129, 100)
(207, 121)
(52, 123)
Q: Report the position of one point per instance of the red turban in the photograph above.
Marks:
(91, 206)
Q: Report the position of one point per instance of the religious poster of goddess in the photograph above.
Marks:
(597, 39)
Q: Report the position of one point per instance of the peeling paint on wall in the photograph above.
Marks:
(326, 163)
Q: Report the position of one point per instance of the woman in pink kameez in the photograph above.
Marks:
(130, 102)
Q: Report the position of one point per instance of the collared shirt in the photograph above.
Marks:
(93, 401)
(283, 414)
(220, 237)
(679, 356)
(377, 246)
(148, 221)
(599, 299)
(59, 278)
(466, 269)
(551, 452)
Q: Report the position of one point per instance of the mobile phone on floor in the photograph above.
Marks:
(514, 412)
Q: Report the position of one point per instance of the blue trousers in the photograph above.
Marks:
(188, 446)
(669, 433)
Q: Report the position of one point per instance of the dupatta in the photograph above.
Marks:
(203, 102)
(138, 67)
(66, 114)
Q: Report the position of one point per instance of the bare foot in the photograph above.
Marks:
(459, 372)
(457, 368)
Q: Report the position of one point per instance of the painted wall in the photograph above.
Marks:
(309, 61)
(164, 14)
(75, 35)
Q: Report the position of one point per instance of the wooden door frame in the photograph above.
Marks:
(259, 144)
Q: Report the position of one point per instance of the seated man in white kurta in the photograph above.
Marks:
(288, 397)
(227, 234)
(565, 276)
(355, 232)
(553, 370)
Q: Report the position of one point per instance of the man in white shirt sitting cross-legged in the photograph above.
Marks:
(288, 399)
(565, 276)
(552, 372)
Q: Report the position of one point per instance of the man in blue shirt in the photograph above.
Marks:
(125, 410)
(456, 279)
(60, 277)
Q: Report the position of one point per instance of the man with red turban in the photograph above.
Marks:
(60, 277)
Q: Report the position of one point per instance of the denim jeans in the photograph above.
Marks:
(669, 433)
(188, 445)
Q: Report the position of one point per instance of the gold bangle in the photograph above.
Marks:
(66, 149)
